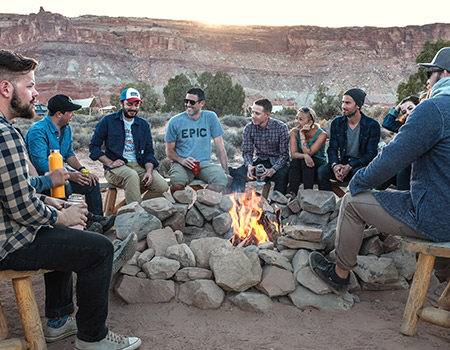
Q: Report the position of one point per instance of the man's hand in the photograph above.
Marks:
(58, 176)
(55, 202)
(147, 179)
(79, 178)
(188, 162)
(250, 169)
(73, 215)
(268, 173)
(117, 163)
(93, 179)
(341, 171)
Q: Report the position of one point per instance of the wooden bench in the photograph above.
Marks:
(414, 310)
(29, 313)
(337, 188)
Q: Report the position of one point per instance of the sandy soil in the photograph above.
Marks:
(374, 323)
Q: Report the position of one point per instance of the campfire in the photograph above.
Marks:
(249, 221)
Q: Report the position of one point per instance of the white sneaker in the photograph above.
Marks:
(124, 251)
(112, 341)
(66, 330)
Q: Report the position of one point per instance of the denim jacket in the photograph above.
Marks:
(369, 136)
(424, 142)
(110, 131)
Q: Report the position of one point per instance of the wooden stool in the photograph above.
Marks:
(29, 313)
(337, 188)
(428, 251)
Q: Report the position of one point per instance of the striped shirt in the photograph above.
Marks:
(22, 213)
(271, 142)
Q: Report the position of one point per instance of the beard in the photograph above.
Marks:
(21, 110)
(125, 113)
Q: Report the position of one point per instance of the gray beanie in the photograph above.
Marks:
(358, 96)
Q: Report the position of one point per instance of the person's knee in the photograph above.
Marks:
(174, 188)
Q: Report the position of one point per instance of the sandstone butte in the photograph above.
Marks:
(94, 56)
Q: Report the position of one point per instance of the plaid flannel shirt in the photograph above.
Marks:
(22, 212)
(271, 142)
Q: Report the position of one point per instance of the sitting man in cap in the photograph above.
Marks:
(129, 159)
(353, 143)
(54, 133)
(420, 212)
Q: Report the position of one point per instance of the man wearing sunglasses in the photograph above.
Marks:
(424, 142)
(129, 159)
(188, 140)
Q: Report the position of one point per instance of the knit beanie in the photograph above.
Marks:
(358, 96)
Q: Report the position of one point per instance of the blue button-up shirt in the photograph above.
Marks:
(42, 137)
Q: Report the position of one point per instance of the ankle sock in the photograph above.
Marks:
(56, 322)
(334, 276)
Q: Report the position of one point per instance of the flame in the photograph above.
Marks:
(245, 214)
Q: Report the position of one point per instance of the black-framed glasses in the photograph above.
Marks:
(305, 109)
(431, 71)
(192, 102)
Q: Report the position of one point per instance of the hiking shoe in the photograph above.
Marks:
(124, 251)
(95, 227)
(112, 341)
(106, 221)
(325, 270)
(66, 330)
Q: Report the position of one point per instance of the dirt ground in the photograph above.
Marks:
(373, 323)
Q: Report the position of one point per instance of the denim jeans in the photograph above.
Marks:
(92, 196)
(299, 173)
(66, 250)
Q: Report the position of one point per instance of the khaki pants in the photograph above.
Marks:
(129, 177)
(355, 212)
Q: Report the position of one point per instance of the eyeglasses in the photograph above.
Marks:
(305, 109)
(192, 102)
(431, 71)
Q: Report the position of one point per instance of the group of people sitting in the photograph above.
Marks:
(35, 229)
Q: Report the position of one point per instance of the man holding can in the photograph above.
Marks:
(54, 133)
(188, 145)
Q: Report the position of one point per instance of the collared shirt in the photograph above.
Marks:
(42, 137)
(271, 142)
(22, 213)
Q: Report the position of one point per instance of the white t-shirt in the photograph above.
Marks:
(129, 151)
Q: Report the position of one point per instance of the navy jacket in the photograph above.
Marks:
(110, 131)
(424, 141)
(369, 136)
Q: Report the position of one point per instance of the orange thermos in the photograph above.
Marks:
(55, 161)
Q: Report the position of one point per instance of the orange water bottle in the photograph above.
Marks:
(55, 161)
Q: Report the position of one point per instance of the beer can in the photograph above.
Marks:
(85, 171)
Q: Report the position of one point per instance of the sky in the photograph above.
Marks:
(323, 13)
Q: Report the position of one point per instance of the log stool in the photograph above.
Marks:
(29, 313)
(428, 251)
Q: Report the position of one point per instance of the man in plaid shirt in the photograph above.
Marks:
(268, 140)
(34, 232)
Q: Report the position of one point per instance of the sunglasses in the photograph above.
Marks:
(192, 102)
(305, 109)
(431, 71)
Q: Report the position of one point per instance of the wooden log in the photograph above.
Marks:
(14, 344)
(444, 299)
(435, 316)
(417, 293)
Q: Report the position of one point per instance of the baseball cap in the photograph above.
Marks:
(441, 60)
(130, 95)
(62, 103)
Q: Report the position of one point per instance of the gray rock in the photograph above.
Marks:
(130, 269)
(202, 249)
(303, 298)
(278, 197)
(194, 217)
(186, 196)
(145, 256)
(304, 233)
(300, 259)
(276, 281)
(400, 284)
(139, 222)
(372, 269)
(275, 258)
(405, 262)
(251, 301)
(182, 253)
(176, 222)
(308, 279)
(221, 223)
(225, 203)
(208, 197)
(181, 208)
(295, 244)
(129, 208)
(161, 239)
(134, 290)
(234, 269)
(317, 202)
(371, 245)
(161, 268)
(266, 245)
(169, 197)
(179, 236)
(309, 218)
(204, 294)
(294, 205)
(160, 207)
(193, 273)
(207, 211)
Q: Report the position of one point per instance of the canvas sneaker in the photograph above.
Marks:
(112, 341)
(325, 270)
(124, 251)
(66, 330)
(106, 221)
(95, 227)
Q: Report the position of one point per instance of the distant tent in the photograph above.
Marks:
(88, 103)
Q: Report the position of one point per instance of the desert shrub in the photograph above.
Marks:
(234, 121)
(164, 167)
(81, 139)
(233, 138)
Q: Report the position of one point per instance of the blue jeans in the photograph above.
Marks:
(299, 173)
(66, 250)
(92, 195)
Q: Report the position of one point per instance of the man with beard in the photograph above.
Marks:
(188, 140)
(129, 159)
(54, 132)
(353, 143)
(34, 232)
(422, 212)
